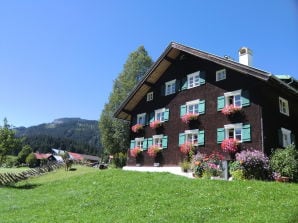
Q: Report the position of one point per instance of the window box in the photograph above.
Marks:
(137, 127)
(154, 150)
(155, 124)
(191, 110)
(230, 145)
(186, 148)
(158, 117)
(188, 117)
(135, 151)
(231, 109)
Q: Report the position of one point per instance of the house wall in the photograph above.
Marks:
(211, 120)
(273, 119)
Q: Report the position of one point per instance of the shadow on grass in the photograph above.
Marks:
(26, 186)
(72, 169)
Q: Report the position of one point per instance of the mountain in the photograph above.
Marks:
(72, 134)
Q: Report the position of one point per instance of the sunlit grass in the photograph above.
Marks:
(13, 170)
(91, 195)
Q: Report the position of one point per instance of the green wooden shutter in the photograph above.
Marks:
(145, 144)
(165, 142)
(220, 135)
(149, 142)
(182, 110)
(132, 144)
(245, 98)
(202, 107)
(184, 83)
(202, 77)
(246, 136)
(201, 138)
(167, 114)
(220, 103)
(151, 118)
(181, 138)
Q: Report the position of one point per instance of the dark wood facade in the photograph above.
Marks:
(262, 114)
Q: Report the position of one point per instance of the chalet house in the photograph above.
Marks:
(186, 81)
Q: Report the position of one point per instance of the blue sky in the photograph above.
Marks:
(59, 58)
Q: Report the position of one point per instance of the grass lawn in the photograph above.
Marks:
(91, 195)
(13, 170)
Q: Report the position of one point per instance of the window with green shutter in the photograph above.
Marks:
(132, 144)
(201, 138)
(246, 136)
(181, 138)
(238, 98)
(220, 103)
(220, 135)
(165, 142)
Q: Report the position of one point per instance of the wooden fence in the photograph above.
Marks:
(10, 178)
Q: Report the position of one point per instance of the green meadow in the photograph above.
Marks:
(92, 195)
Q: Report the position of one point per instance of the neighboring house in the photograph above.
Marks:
(185, 80)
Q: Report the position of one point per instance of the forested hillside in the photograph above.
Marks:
(73, 134)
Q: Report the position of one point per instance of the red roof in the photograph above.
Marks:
(75, 156)
(41, 156)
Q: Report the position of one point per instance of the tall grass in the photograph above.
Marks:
(91, 195)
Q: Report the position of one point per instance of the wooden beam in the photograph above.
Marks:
(171, 60)
(148, 84)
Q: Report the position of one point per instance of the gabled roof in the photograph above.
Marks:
(173, 52)
(41, 156)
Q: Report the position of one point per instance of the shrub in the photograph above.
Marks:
(185, 165)
(255, 164)
(119, 160)
(31, 160)
(285, 162)
(238, 174)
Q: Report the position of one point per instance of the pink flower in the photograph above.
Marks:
(189, 116)
(155, 124)
(135, 151)
(153, 150)
(229, 145)
(137, 127)
(186, 147)
(230, 109)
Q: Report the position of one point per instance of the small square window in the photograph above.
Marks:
(234, 131)
(193, 80)
(286, 137)
(150, 96)
(220, 75)
(170, 87)
(157, 140)
(284, 106)
(192, 107)
(139, 142)
(141, 118)
(191, 136)
(159, 115)
(233, 98)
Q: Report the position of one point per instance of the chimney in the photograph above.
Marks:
(245, 56)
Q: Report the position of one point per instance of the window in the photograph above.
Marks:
(220, 75)
(193, 80)
(141, 118)
(157, 140)
(238, 98)
(233, 98)
(170, 87)
(193, 107)
(236, 131)
(139, 142)
(160, 115)
(283, 106)
(194, 136)
(150, 96)
(285, 137)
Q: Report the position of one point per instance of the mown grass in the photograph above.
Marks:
(13, 170)
(91, 195)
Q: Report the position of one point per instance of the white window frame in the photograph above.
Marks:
(192, 103)
(170, 87)
(196, 80)
(193, 135)
(286, 137)
(233, 94)
(142, 117)
(139, 142)
(157, 140)
(159, 111)
(221, 75)
(284, 106)
(236, 134)
(150, 96)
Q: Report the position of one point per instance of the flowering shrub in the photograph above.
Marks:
(255, 164)
(188, 117)
(229, 145)
(204, 165)
(230, 109)
(186, 148)
(137, 127)
(153, 150)
(135, 151)
(155, 124)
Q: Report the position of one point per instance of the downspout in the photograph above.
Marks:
(262, 129)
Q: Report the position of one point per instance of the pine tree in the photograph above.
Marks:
(115, 132)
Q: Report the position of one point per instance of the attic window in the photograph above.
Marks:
(170, 87)
(150, 96)
(284, 106)
(220, 75)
